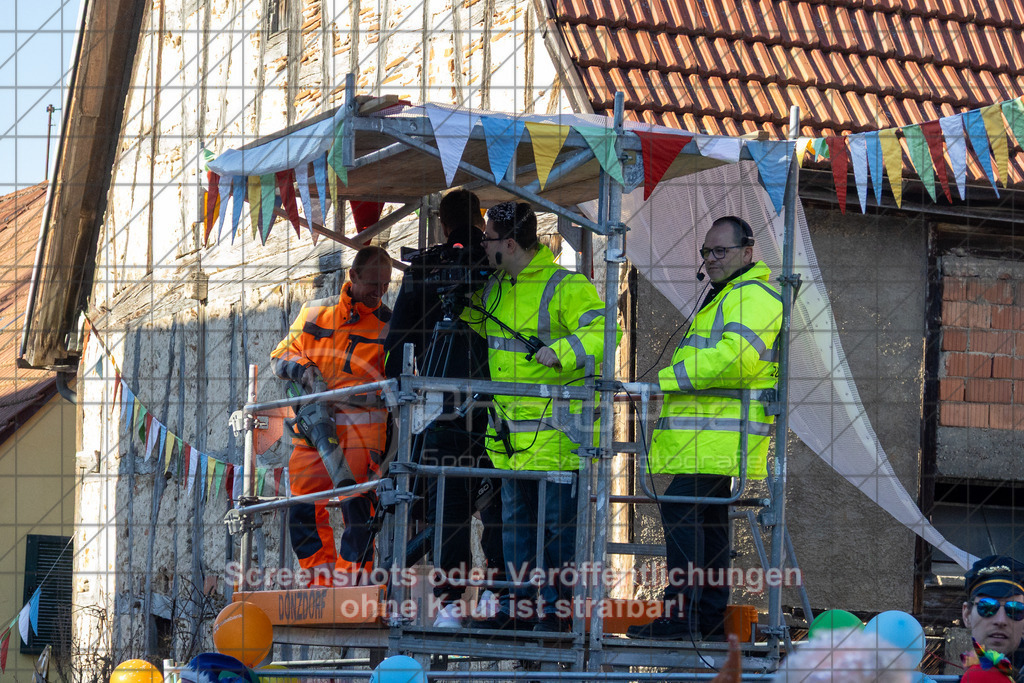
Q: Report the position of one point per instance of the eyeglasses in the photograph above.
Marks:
(719, 252)
(989, 607)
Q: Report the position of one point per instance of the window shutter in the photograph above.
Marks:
(48, 561)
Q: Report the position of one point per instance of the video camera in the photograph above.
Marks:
(453, 271)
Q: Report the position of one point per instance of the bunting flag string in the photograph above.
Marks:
(934, 149)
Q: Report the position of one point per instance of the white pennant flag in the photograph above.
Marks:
(154, 437)
(224, 189)
(23, 622)
(858, 146)
(715, 147)
(236, 484)
(956, 145)
(302, 180)
(452, 128)
(193, 466)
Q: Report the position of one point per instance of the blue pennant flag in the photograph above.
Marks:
(772, 159)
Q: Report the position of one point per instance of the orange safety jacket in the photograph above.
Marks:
(345, 340)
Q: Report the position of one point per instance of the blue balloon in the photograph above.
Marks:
(398, 669)
(919, 677)
(213, 667)
(901, 631)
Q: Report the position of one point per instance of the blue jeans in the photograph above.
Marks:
(698, 534)
(520, 505)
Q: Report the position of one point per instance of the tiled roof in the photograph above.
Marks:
(22, 392)
(733, 67)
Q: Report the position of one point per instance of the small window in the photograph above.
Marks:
(982, 517)
(276, 16)
(48, 563)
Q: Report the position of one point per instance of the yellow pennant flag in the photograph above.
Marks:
(803, 147)
(169, 449)
(547, 141)
(211, 468)
(892, 156)
(332, 185)
(993, 118)
(255, 193)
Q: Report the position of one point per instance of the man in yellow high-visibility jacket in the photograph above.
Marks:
(731, 344)
(534, 296)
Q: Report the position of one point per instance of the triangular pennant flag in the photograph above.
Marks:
(839, 155)
(3, 650)
(161, 440)
(858, 146)
(803, 147)
(320, 177)
(932, 131)
(184, 463)
(211, 469)
(268, 201)
(956, 146)
(218, 475)
(502, 137)
(278, 476)
(236, 485)
(285, 481)
(917, 148)
(286, 186)
(118, 384)
(193, 467)
(722, 148)
(33, 611)
(452, 128)
(772, 158)
(201, 474)
(98, 369)
(892, 155)
(239, 190)
(365, 214)
(602, 144)
(992, 115)
(547, 140)
(225, 191)
(168, 450)
(820, 146)
(336, 154)
(153, 435)
(302, 180)
(229, 480)
(255, 202)
(658, 150)
(23, 623)
(332, 185)
(212, 204)
(127, 406)
(140, 421)
(978, 136)
(1013, 111)
(261, 475)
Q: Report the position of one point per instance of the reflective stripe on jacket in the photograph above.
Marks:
(564, 311)
(730, 345)
(345, 340)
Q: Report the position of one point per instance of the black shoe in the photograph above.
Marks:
(664, 628)
(552, 623)
(501, 621)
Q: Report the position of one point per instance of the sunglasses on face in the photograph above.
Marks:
(988, 607)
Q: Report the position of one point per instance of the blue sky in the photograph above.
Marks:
(37, 38)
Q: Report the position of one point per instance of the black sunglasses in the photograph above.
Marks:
(988, 607)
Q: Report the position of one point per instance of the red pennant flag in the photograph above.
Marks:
(212, 194)
(933, 136)
(117, 386)
(365, 214)
(659, 150)
(229, 481)
(286, 185)
(149, 425)
(186, 455)
(3, 651)
(839, 154)
(278, 476)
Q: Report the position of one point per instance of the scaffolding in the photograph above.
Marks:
(415, 401)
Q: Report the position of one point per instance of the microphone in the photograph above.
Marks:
(700, 275)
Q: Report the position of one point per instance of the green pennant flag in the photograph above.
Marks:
(253, 190)
(820, 147)
(218, 475)
(1013, 110)
(336, 155)
(602, 144)
(917, 147)
(261, 475)
(140, 421)
(268, 186)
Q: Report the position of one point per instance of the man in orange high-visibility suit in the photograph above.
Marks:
(339, 341)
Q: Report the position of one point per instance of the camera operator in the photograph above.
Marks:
(438, 282)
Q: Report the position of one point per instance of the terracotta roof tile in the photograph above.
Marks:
(763, 58)
(727, 61)
(691, 15)
(665, 46)
(659, 14)
(617, 13)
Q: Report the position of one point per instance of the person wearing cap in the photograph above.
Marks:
(994, 610)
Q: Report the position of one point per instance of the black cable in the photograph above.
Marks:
(688, 321)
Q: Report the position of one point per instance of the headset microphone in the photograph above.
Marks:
(700, 275)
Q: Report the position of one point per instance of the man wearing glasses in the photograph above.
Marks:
(730, 345)
(994, 610)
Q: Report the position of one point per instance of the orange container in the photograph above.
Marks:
(740, 620)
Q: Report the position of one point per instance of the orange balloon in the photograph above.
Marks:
(243, 631)
(136, 671)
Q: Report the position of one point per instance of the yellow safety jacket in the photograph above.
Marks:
(563, 309)
(730, 345)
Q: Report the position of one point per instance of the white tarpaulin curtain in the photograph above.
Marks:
(825, 410)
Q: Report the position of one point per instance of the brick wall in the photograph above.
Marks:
(982, 375)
